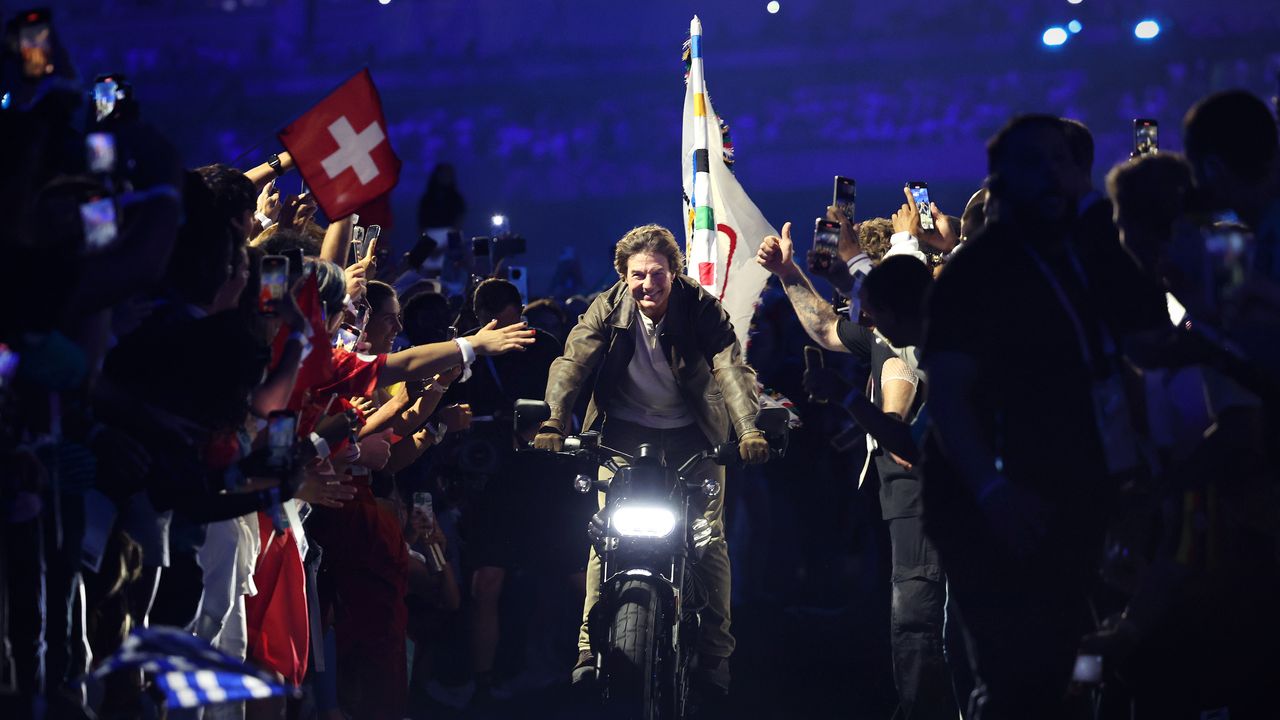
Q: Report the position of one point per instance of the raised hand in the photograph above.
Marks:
(493, 340)
(326, 490)
(456, 417)
(776, 253)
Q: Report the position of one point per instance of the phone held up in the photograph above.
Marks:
(274, 273)
(826, 238)
(920, 194)
(35, 42)
(1146, 137)
(281, 428)
(844, 195)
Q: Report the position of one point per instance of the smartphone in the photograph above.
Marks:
(371, 234)
(100, 151)
(920, 193)
(1088, 670)
(813, 358)
(106, 91)
(98, 217)
(35, 42)
(1229, 253)
(1146, 136)
(357, 244)
(519, 276)
(8, 365)
(281, 429)
(274, 273)
(844, 195)
(826, 238)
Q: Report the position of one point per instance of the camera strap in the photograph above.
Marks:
(1111, 413)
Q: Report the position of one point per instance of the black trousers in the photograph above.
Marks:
(917, 619)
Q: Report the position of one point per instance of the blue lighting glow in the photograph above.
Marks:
(1146, 29)
(1074, 26)
(1054, 36)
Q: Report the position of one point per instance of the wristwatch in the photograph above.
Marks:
(274, 161)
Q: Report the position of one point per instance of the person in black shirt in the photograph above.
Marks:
(520, 510)
(919, 589)
(1030, 424)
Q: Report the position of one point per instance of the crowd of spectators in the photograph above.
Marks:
(223, 415)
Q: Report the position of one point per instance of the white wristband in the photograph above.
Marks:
(263, 220)
(322, 446)
(468, 357)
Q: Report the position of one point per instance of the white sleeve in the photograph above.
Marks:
(904, 243)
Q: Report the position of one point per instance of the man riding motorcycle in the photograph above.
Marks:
(669, 372)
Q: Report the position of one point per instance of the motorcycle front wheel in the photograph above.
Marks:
(639, 675)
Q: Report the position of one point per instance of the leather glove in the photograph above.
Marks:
(753, 448)
(550, 438)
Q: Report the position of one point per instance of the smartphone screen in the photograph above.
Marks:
(100, 149)
(1146, 136)
(281, 427)
(99, 220)
(105, 93)
(35, 44)
(357, 244)
(826, 234)
(844, 195)
(275, 282)
(371, 235)
(920, 193)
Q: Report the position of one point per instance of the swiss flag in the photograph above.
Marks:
(341, 148)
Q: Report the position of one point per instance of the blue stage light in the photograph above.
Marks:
(1074, 26)
(1146, 29)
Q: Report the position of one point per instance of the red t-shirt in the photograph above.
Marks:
(354, 375)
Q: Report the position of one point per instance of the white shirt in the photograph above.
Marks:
(648, 394)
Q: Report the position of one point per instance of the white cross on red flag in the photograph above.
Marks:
(341, 148)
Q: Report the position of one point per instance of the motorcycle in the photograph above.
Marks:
(644, 629)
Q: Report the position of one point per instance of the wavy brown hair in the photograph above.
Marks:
(653, 239)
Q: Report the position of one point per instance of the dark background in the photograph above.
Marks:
(565, 114)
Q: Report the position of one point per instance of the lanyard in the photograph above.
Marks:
(1108, 347)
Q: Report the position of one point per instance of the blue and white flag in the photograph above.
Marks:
(190, 671)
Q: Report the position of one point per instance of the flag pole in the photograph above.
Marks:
(702, 255)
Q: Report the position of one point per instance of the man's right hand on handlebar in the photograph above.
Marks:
(549, 437)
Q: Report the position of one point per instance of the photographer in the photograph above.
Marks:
(516, 509)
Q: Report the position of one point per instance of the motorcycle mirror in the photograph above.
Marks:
(530, 414)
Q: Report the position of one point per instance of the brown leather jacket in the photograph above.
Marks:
(700, 346)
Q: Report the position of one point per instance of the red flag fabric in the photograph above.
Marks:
(341, 148)
(378, 212)
(317, 366)
(279, 632)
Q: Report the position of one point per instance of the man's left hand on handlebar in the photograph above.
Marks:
(550, 438)
(753, 448)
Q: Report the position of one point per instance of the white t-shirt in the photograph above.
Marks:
(648, 394)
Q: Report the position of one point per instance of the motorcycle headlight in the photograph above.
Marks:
(642, 521)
